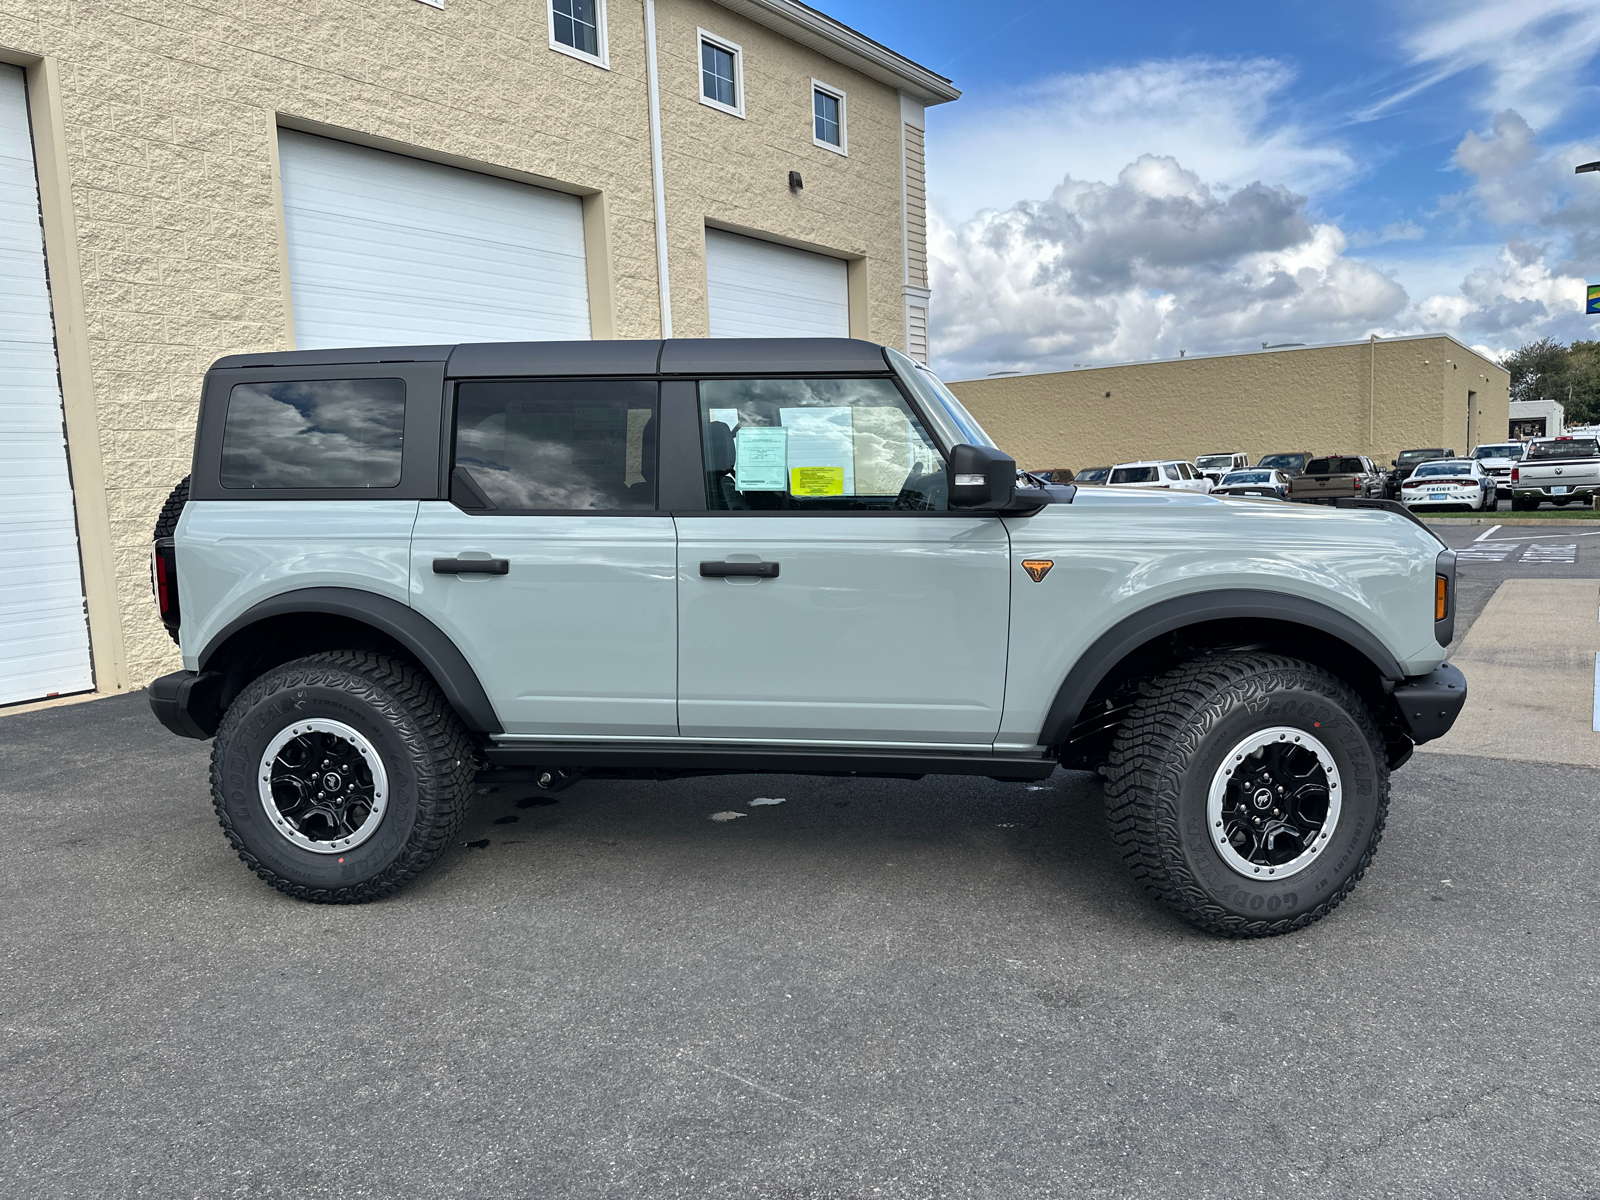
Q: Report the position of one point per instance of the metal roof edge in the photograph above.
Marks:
(838, 41)
(1154, 362)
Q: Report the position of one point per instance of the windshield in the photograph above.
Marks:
(1207, 461)
(1134, 475)
(1283, 462)
(955, 423)
(1334, 466)
(1093, 474)
(1407, 457)
(1246, 477)
(1429, 470)
(1509, 450)
(1565, 448)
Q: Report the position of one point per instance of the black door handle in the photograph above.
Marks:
(471, 566)
(721, 570)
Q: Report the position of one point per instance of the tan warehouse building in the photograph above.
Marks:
(1376, 397)
(180, 181)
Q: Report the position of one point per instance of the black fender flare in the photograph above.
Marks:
(1133, 631)
(426, 642)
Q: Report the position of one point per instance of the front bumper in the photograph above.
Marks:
(1429, 704)
(188, 703)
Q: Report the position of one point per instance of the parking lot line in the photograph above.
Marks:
(1487, 533)
(1531, 665)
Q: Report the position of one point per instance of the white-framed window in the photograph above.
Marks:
(827, 118)
(578, 28)
(721, 74)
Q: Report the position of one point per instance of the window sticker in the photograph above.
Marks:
(821, 437)
(761, 456)
(816, 481)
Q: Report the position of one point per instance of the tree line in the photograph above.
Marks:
(1570, 375)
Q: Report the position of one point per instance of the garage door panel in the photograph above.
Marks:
(761, 289)
(44, 635)
(389, 250)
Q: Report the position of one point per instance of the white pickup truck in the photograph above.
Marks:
(1558, 469)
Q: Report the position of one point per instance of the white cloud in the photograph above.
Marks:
(1225, 120)
(1156, 262)
(1532, 52)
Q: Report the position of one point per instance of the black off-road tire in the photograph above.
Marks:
(1172, 745)
(428, 756)
(167, 521)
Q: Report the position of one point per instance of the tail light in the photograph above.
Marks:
(164, 581)
(1412, 483)
(1516, 474)
(1355, 484)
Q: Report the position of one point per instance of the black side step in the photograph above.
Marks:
(777, 761)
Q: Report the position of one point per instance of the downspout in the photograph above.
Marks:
(657, 181)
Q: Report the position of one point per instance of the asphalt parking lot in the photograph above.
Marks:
(944, 988)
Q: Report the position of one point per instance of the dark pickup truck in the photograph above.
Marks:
(1336, 477)
(1408, 462)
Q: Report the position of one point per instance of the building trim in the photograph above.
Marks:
(1188, 358)
(96, 547)
(839, 42)
(601, 277)
(285, 284)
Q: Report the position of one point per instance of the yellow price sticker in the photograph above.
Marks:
(816, 481)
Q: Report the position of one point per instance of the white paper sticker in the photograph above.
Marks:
(760, 461)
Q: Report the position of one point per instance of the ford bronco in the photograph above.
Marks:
(394, 569)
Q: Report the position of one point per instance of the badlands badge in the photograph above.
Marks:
(1038, 568)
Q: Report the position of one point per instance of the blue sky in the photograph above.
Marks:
(1124, 181)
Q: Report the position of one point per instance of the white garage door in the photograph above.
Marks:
(386, 250)
(44, 632)
(761, 289)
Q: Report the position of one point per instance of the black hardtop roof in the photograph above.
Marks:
(675, 356)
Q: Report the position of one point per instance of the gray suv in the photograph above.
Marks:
(395, 569)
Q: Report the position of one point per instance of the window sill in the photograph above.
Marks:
(721, 107)
(841, 151)
(594, 60)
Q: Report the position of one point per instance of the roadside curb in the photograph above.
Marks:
(1554, 522)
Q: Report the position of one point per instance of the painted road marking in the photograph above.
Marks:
(1487, 533)
(1597, 693)
(1492, 552)
(1537, 553)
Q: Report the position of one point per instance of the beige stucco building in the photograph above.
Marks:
(1376, 397)
(215, 178)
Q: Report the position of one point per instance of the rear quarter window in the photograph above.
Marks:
(314, 433)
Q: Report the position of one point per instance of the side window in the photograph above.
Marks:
(1184, 472)
(1170, 471)
(721, 74)
(816, 445)
(314, 433)
(568, 447)
(578, 27)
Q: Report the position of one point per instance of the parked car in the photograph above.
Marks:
(1558, 469)
(1408, 462)
(1335, 477)
(1290, 464)
(1170, 473)
(1254, 482)
(396, 572)
(1055, 475)
(1497, 460)
(1092, 475)
(1449, 483)
(1215, 466)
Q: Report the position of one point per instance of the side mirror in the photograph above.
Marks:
(981, 478)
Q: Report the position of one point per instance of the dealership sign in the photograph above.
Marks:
(1594, 299)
